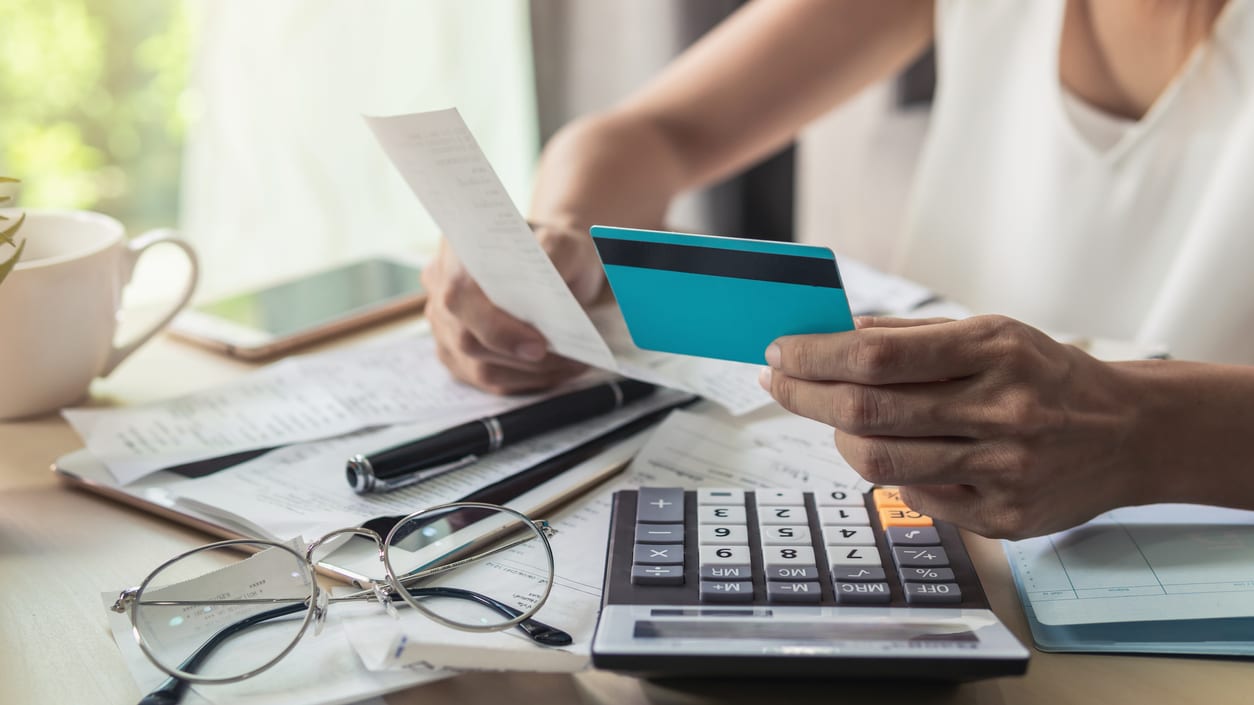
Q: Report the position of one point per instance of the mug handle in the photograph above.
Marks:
(134, 249)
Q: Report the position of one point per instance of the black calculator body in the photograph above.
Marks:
(830, 583)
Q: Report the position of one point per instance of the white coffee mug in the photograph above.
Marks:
(59, 307)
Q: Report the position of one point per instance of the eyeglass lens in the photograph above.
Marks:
(252, 606)
(476, 567)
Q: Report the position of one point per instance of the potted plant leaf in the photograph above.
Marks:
(8, 240)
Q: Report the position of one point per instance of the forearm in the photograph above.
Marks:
(1194, 432)
(606, 169)
(743, 91)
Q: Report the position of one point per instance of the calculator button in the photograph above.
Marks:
(721, 515)
(660, 505)
(657, 575)
(927, 575)
(838, 498)
(844, 516)
(786, 535)
(720, 496)
(912, 536)
(779, 498)
(793, 592)
(886, 498)
(787, 555)
(781, 515)
(659, 555)
(857, 573)
(725, 572)
(903, 517)
(721, 591)
(659, 533)
(862, 593)
(848, 536)
(847, 556)
(932, 593)
(925, 556)
(734, 535)
(723, 555)
(791, 572)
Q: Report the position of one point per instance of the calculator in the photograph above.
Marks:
(785, 582)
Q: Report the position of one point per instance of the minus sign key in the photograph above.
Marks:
(659, 533)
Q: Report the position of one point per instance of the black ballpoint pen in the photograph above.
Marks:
(459, 446)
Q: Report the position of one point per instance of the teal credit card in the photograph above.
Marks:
(720, 297)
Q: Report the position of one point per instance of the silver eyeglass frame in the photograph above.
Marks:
(319, 600)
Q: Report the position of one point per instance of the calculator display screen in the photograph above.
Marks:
(930, 632)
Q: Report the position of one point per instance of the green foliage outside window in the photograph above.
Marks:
(94, 104)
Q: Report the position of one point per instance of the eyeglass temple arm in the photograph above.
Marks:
(539, 632)
(172, 690)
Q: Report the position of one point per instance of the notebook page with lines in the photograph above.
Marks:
(1165, 578)
(1156, 562)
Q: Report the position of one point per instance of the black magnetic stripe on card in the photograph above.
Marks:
(762, 266)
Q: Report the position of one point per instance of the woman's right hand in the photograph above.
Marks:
(483, 345)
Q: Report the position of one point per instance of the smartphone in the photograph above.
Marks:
(278, 318)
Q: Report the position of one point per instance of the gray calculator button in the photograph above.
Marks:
(719, 496)
(912, 536)
(843, 516)
(660, 505)
(649, 554)
(778, 498)
(723, 555)
(848, 536)
(787, 555)
(768, 516)
(862, 593)
(726, 591)
(659, 533)
(721, 516)
(857, 573)
(726, 572)
(932, 593)
(838, 498)
(791, 572)
(731, 535)
(924, 556)
(657, 575)
(852, 556)
(793, 592)
(927, 575)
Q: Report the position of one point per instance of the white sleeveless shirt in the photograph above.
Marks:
(1073, 220)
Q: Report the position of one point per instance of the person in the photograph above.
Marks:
(1086, 169)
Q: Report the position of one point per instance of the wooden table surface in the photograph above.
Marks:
(61, 547)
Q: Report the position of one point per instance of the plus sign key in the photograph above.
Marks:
(660, 505)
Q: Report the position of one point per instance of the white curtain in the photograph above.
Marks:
(281, 174)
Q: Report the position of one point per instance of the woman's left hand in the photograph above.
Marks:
(984, 422)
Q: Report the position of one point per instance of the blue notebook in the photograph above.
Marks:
(1162, 579)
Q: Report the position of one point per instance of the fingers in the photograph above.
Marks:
(910, 461)
(574, 255)
(894, 322)
(481, 344)
(890, 354)
(503, 379)
(953, 408)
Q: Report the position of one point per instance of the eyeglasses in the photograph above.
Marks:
(212, 615)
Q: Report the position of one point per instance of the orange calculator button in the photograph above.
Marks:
(886, 497)
(903, 517)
